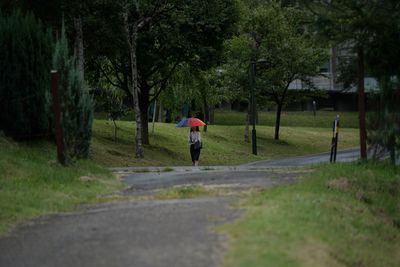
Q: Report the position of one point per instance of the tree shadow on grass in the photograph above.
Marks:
(271, 140)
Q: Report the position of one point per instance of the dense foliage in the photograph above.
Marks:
(274, 41)
(25, 60)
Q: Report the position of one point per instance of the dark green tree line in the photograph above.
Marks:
(25, 60)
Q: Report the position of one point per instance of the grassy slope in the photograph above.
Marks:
(340, 215)
(323, 119)
(33, 184)
(223, 145)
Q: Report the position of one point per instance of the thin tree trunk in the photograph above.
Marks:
(154, 115)
(211, 114)
(205, 113)
(278, 120)
(115, 131)
(132, 44)
(144, 101)
(79, 46)
(361, 104)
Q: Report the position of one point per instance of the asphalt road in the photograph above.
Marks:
(173, 233)
(140, 234)
(256, 174)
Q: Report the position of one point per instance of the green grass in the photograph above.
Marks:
(33, 184)
(223, 145)
(323, 119)
(181, 192)
(339, 215)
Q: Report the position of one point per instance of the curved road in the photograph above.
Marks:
(172, 233)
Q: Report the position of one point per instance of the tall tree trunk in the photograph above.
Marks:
(211, 114)
(131, 35)
(361, 103)
(145, 128)
(278, 120)
(205, 113)
(144, 101)
(78, 49)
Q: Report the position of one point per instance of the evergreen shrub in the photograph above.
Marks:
(76, 103)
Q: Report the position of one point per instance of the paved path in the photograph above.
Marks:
(256, 174)
(140, 234)
(173, 233)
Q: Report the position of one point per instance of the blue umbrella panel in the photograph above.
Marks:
(182, 123)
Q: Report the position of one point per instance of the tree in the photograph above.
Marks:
(203, 89)
(111, 101)
(276, 35)
(238, 54)
(353, 23)
(25, 60)
(76, 103)
(173, 32)
(384, 121)
(382, 61)
(50, 12)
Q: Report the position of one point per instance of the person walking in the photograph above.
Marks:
(195, 144)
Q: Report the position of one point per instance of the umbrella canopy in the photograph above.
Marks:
(190, 122)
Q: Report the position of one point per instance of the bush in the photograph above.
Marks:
(25, 60)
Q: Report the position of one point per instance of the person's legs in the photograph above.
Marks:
(196, 157)
(192, 154)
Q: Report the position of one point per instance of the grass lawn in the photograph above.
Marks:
(323, 119)
(339, 215)
(223, 145)
(33, 184)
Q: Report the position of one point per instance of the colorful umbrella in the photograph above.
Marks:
(190, 122)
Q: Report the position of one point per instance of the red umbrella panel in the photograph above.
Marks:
(190, 122)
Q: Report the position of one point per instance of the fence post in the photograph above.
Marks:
(335, 138)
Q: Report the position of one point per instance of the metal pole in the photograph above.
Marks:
(314, 107)
(332, 142)
(336, 137)
(57, 116)
(253, 107)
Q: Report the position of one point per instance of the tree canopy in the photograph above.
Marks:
(276, 41)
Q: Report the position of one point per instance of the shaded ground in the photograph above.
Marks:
(172, 233)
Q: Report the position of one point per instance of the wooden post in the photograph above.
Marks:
(57, 116)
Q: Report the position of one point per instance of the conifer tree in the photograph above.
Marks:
(76, 103)
(25, 59)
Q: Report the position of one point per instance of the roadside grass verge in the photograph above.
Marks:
(32, 183)
(223, 145)
(339, 215)
(323, 119)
